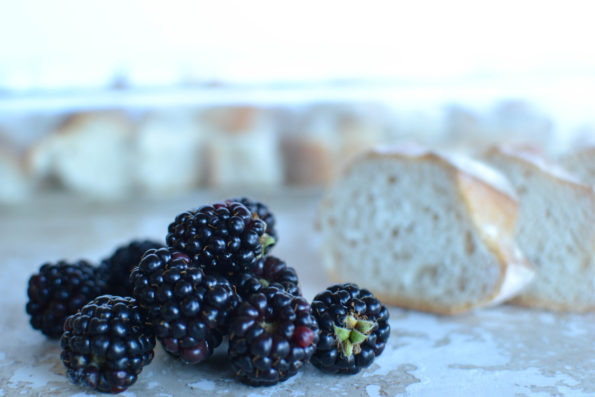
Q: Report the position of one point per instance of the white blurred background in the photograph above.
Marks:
(74, 45)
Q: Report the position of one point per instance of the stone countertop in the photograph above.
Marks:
(502, 351)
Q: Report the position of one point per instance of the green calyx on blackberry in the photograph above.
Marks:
(261, 211)
(106, 344)
(189, 310)
(115, 270)
(267, 271)
(59, 290)
(272, 335)
(354, 328)
(222, 238)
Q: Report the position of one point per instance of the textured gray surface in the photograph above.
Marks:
(493, 352)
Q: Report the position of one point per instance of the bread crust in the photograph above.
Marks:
(489, 200)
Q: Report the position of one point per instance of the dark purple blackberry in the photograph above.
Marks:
(189, 310)
(115, 270)
(267, 271)
(353, 328)
(106, 344)
(222, 238)
(59, 290)
(260, 210)
(272, 335)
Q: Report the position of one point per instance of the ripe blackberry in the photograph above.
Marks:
(59, 290)
(260, 210)
(189, 310)
(106, 344)
(353, 328)
(267, 271)
(272, 335)
(115, 270)
(223, 238)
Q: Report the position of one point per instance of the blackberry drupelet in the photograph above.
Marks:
(260, 210)
(267, 271)
(272, 335)
(59, 290)
(222, 238)
(115, 270)
(106, 344)
(188, 309)
(353, 328)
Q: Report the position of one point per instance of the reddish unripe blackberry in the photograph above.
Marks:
(115, 270)
(188, 309)
(261, 211)
(222, 238)
(59, 290)
(106, 344)
(272, 335)
(353, 328)
(267, 271)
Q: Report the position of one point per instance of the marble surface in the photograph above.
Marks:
(502, 351)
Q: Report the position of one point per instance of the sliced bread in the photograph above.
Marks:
(168, 149)
(423, 230)
(88, 154)
(555, 229)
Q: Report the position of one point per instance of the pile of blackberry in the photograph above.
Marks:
(214, 279)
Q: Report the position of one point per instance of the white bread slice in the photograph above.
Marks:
(581, 163)
(168, 150)
(89, 154)
(556, 230)
(242, 148)
(423, 231)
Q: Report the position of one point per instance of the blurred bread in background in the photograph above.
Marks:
(242, 147)
(512, 122)
(310, 146)
(90, 153)
(168, 152)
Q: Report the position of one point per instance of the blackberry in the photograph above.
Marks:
(223, 238)
(353, 328)
(115, 270)
(106, 344)
(267, 271)
(272, 335)
(59, 290)
(261, 211)
(188, 309)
